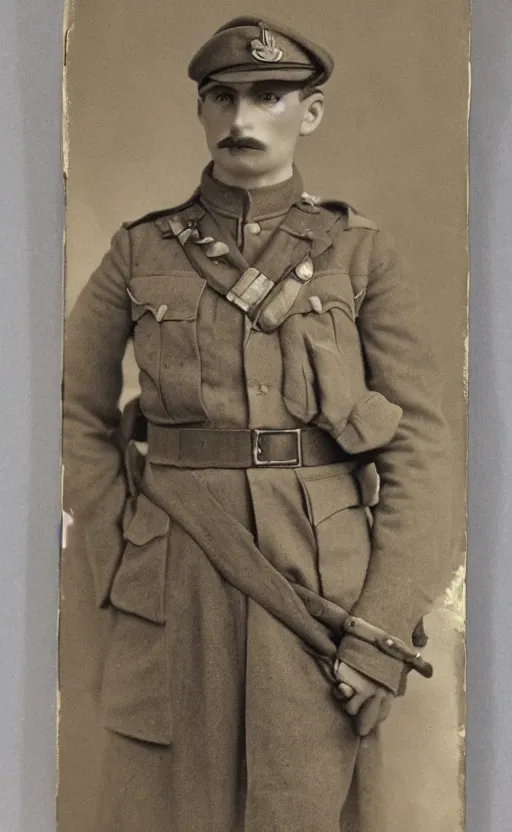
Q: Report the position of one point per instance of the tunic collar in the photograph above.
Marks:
(248, 205)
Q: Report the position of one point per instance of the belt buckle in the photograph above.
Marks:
(295, 462)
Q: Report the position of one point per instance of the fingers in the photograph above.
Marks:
(386, 707)
(362, 698)
(345, 691)
(359, 683)
(367, 717)
(372, 712)
(352, 700)
(355, 703)
(353, 688)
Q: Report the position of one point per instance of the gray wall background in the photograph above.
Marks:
(30, 259)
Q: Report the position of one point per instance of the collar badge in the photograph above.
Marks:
(311, 200)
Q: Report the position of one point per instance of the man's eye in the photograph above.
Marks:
(269, 97)
(223, 98)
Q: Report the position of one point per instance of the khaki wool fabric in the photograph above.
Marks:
(189, 707)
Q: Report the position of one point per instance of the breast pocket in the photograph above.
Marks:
(321, 352)
(341, 530)
(164, 312)
(136, 677)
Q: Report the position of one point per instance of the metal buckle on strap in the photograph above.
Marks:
(257, 450)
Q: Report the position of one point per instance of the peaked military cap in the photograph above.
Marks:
(250, 49)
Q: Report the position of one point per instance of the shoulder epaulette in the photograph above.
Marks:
(337, 206)
(164, 212)
(353, 217)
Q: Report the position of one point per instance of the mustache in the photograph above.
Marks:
(238, 143)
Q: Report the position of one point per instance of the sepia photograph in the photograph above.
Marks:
(264, 411)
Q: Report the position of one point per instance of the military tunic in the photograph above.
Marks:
(200, 710)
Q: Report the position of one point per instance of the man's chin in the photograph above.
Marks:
(243, 160)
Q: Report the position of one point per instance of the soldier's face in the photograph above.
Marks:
(252, 129)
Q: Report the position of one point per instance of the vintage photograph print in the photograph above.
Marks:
(264, 416)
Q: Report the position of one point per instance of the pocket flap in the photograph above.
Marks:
(169, 297)
(327, 493)
(146, 522)
(326, 291)
(139, 583)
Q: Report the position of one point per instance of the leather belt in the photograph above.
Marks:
(239, 448)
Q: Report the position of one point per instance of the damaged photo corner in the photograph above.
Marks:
(262, 605)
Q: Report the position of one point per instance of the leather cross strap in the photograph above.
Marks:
(217, 448)
(255, 289)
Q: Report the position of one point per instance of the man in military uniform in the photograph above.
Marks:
(265, 528)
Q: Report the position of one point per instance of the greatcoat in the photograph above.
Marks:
(184, 704)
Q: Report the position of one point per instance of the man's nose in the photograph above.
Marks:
(243, 121)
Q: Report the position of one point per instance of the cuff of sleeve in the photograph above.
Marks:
(372, 662)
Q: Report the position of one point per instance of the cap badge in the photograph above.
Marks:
(265, 49)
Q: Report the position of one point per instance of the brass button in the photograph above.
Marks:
(305, 270)
(263, 389)
(253, 228)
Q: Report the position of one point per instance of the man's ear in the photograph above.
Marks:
(200, 109)
(313, 113)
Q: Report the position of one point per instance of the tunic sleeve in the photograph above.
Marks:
(410, 536)
(94, 486)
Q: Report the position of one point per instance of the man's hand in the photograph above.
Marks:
(363, 698)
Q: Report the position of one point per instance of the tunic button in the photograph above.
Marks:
(263, 389)
(253, 227)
